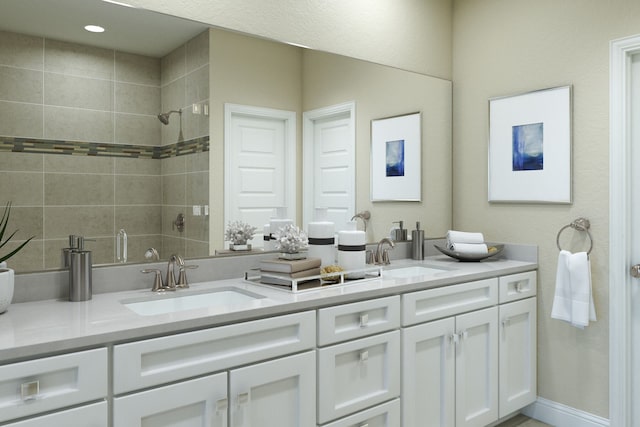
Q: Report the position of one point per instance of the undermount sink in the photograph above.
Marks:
(413, 271)
(181, 300)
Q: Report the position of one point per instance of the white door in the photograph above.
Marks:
(260, 159)
(329, 163)
(428, 374)
(517, 355)
(278, 393)
(624, 232)
(195, 403)
(477, 368)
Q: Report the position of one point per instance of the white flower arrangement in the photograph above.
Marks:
(291, 239)
(239, 233)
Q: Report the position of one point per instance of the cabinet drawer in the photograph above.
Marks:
(358, 374)
(357, 320)
(35, 386)
(385, 415)
(165, 359)
(517, 286)
(94, 415)
(447, 301)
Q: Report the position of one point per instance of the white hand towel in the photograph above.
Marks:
(469, 248)
(573, 300)
(464, 237)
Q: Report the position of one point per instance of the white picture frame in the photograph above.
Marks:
(530, 147)
(396, 155)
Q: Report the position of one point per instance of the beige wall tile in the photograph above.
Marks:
(78, 164)
(139, 219)
(137, 166)
(173, 190)
(78, 189)
(20, 50)
(194, 125)
(132, 68)
(198, 51)
(173, 165)
(24, 120)
(53, 256)
(137, 246)
(173, 65)
(197, 227)
(30, 258)
(21, 85)
(169, 215)
(21, 188)
(197, 86)
(103, 250)
(78, 125)
(172, 245)
(88, 221)
(78, 92)
(27, 220)
(197, 188)
(197, 162)
(137, 99)
(32, 162)
(138, 190)
(173, 95)
(78, 60)
(196, 249)
(137, 129)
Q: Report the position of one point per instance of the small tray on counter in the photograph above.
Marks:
(469, 257)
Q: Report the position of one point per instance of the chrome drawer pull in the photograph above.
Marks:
(222, 404)
(243, 398)
(364, 356)
(364, 320)
(30, 390)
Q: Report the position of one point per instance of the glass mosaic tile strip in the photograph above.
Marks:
(81, 148)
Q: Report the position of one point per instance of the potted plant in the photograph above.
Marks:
(6, 274)
(239, 233)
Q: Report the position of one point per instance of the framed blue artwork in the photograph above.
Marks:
(396, 158)
(530, 147)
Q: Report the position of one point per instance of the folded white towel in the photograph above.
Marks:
(469, 248)
(463, 237)
(573, 300)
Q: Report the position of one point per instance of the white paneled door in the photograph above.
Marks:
(260, 161)
(329, 163)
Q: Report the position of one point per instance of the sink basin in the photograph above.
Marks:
(184, 300)
(413, 271)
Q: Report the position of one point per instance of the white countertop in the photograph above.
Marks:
(44, 327)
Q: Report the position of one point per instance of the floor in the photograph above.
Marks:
(522, 421)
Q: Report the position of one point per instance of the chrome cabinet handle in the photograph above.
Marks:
(29, 390)
(635, 271)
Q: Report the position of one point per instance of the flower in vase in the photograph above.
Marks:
(239, 233)
(291, 239)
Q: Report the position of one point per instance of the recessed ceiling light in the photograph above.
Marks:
(94, 28)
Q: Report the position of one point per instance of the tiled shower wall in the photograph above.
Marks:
(60, 97)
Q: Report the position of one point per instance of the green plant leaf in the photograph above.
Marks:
(3, 228)
(15, 251)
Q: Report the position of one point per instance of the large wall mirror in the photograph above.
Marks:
(83, 151)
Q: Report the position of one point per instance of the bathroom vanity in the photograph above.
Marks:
(454, 343)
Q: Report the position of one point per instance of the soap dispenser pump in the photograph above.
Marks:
(80, 272)
(417, 243)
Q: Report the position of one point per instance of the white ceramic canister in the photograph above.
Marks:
(267, 243)
(7, 277)
(322, 238)
(352, 250)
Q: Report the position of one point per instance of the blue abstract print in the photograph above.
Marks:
(395, 158)
(527, 147)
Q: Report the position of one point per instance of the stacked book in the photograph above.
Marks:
(283, 272)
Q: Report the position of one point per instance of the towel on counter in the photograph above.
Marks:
(466, 243)
(573, 300)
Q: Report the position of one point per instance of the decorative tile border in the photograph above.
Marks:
(80, 148)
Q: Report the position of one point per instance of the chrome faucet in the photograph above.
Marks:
(174, 260)
(381, 256)
(364, 216)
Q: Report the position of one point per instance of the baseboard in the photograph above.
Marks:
(559, 415)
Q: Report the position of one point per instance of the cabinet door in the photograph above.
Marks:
(94, 415)
(428, 374)
(477, 368)
(194, 403)
(278, 393)
(517, 355)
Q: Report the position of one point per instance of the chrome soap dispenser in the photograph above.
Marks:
(80, 272)
(417, 243)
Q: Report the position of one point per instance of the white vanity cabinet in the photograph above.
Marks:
(364, 371)
(241, 375)
(467, 359)
(30, 388)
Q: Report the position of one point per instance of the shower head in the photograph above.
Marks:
(164, 117)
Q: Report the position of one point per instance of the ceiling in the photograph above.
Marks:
(127, 29)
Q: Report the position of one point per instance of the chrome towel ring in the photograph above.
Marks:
(580, 224)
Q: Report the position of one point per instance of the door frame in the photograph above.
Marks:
(620, 283)
(308, 142)
(289, 117)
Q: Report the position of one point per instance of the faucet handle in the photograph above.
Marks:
(158, 286)
(385, 257)
(182, 276)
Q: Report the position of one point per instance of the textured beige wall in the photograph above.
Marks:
(504, 47)
(409, 34)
